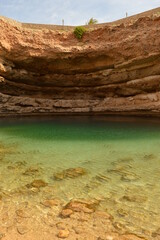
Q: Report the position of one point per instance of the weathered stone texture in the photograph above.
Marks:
(115, 68)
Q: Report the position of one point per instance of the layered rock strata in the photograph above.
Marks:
(115, 68)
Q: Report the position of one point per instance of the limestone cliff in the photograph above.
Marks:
(115, 68)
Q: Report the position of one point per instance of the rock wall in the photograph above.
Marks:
(115, 68)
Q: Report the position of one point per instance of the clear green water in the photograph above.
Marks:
(121, 158)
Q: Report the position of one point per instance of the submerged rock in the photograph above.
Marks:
(125, 172)
(149, 156)
(123, 160)
(37, 184)
(50, 202)
(135, 198)
(102, 178)
(120, 168)
(97, 181)
(31, 171)
(129, 176)
(156, 233)
(17, 165)
(70, 173)
(5, 150)
(63, 233)
(22, 230)
(1, 157)
(24, 213)
(122, 212)
(119, 226)
(66, 213)
(2, 235)
(86, 206)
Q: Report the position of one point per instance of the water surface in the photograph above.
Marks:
(120, 156)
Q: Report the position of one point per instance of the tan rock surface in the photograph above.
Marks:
(114, 69)
(51, 225)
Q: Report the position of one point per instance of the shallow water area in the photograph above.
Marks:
(114, 161)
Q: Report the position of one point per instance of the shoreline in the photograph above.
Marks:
(124, 115)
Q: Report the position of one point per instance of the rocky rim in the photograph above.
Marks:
(114, 69)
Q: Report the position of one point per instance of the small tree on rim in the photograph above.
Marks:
(92, 21)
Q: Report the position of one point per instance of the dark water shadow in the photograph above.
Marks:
(82, 128)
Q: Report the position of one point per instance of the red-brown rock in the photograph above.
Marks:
(114, 69)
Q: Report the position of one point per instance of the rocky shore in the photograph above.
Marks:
(114, 69)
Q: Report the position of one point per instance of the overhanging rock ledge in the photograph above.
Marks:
(114, 69)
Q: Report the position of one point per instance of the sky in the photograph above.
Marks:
(74, 12)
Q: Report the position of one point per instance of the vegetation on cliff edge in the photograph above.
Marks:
(79, 32)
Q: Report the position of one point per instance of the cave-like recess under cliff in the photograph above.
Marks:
(115, 68)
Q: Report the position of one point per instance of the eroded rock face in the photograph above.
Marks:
(114, 69)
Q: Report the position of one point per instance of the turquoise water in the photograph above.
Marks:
(120, 157)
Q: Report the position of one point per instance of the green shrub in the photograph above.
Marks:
(79, 32)
(92, 21)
